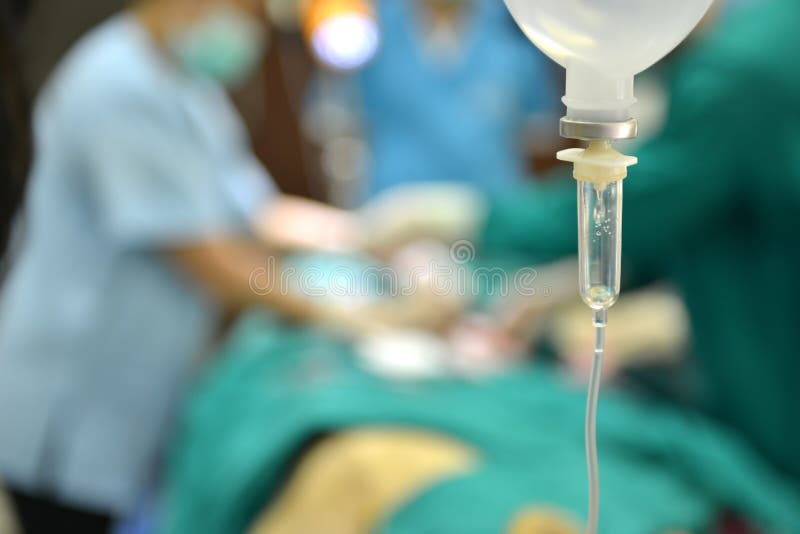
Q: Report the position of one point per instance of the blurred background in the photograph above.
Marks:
(347, 303)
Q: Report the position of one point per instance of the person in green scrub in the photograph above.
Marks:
(712, 205)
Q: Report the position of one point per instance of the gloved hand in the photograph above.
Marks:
(298, 224)
(417, 289)
(442, 211)
(423, 311)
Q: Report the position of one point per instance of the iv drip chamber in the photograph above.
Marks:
(599, 171)
(599, 242)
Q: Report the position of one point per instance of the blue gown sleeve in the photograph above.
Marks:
(154, 183)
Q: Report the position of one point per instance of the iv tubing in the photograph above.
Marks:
(600, 319)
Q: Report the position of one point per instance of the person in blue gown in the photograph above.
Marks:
(451, 94)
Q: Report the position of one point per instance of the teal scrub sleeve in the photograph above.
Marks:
(537, 221)
(689, 177)
(152, 182)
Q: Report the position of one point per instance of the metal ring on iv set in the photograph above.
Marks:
(598, 131)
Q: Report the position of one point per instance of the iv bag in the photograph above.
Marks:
(603, 44)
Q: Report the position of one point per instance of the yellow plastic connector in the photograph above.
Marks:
(599, 163)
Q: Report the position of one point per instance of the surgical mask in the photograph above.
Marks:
(225, 45)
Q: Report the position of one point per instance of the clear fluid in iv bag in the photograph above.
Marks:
(600, 234)
(618, 37)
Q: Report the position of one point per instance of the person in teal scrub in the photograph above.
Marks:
(450, 95)
(712, 204)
